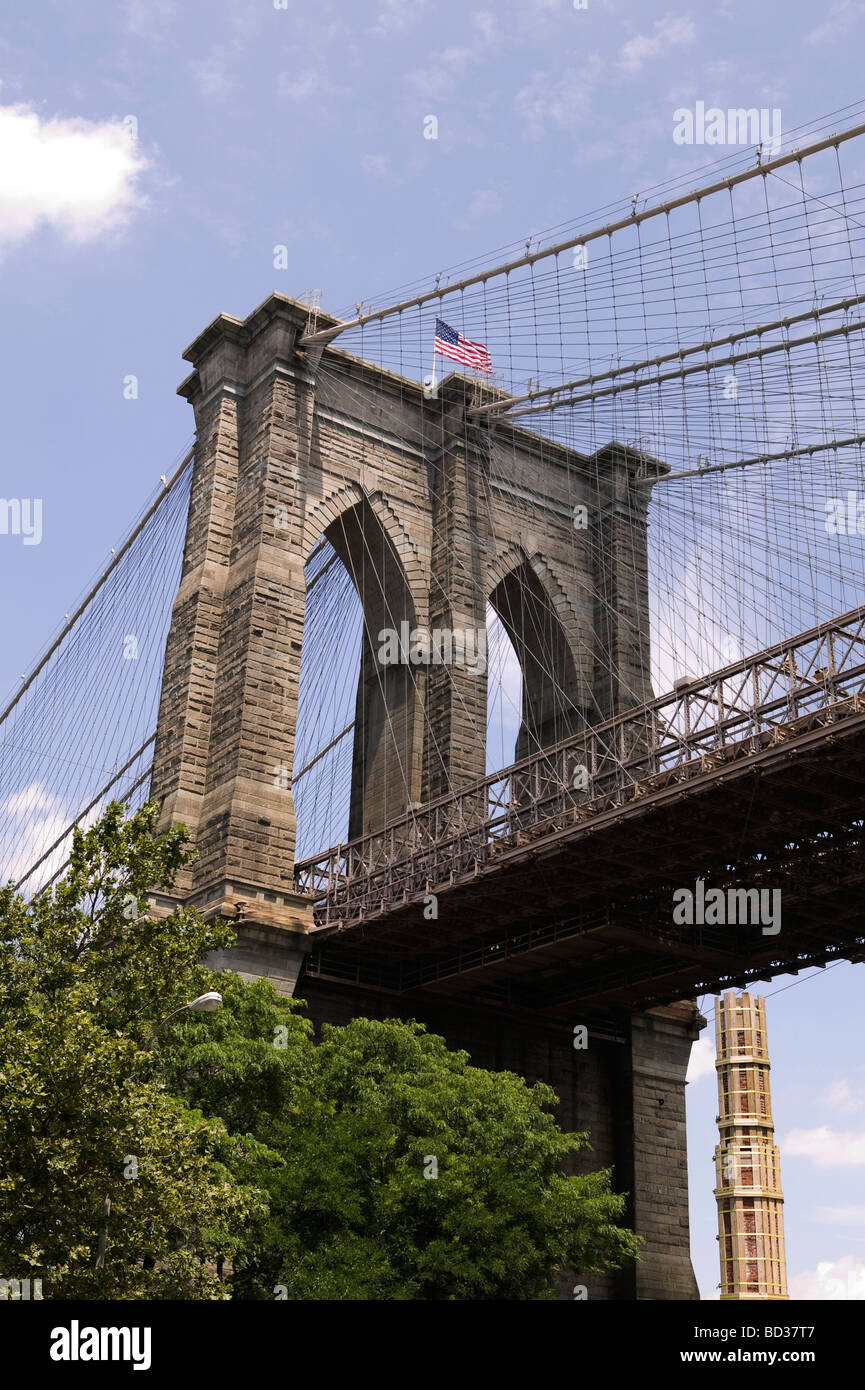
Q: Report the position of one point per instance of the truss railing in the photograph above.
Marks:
(742, 706)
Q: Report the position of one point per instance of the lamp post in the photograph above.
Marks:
(205, 1004)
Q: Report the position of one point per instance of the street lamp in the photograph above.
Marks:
(204, 1004)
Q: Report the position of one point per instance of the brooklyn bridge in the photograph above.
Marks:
(649, 519)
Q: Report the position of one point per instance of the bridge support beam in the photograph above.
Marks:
(456, 694)
(621, 580)
(225, 737)
(655, 1167)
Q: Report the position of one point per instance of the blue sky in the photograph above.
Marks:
(155, 153)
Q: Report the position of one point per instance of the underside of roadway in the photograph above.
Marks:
(579, 908)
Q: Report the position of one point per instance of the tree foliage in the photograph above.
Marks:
(86, 976)
(240, 1155)
(394, 1168)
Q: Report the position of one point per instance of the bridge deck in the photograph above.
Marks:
(550, 893)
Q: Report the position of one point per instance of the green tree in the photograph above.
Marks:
(110, 1186)
(374, 1164)
(394, 1169)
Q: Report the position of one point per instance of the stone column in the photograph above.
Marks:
(227, 723)
(456, 692)
(655, 1148)
(189, 674)
(617, 538)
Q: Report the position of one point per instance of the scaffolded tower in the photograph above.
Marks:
(747, 1168)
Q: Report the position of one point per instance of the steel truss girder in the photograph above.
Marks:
(786, 692)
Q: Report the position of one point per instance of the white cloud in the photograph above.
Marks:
(669, 32)
(687, 640)
(559, 104)
(310, 87)
(832, 1279)
(702, 1060)
(393, 16)
(486, 23)
(484, 202)
(212, 76)
(841, 1096)
(32, 820)
(440, 76)
(376, 165)
(842, 1216)
(827, 1147)
(840, 19)
(142, 17)
(76, 176)
(504, 694)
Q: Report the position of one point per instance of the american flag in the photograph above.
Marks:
(450, 343)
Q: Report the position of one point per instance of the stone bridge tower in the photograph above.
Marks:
(434, 511)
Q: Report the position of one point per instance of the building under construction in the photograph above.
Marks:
(747, 1166)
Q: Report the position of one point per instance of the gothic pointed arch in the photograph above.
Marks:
(554, 687)
(344, 499)
(363, 548)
